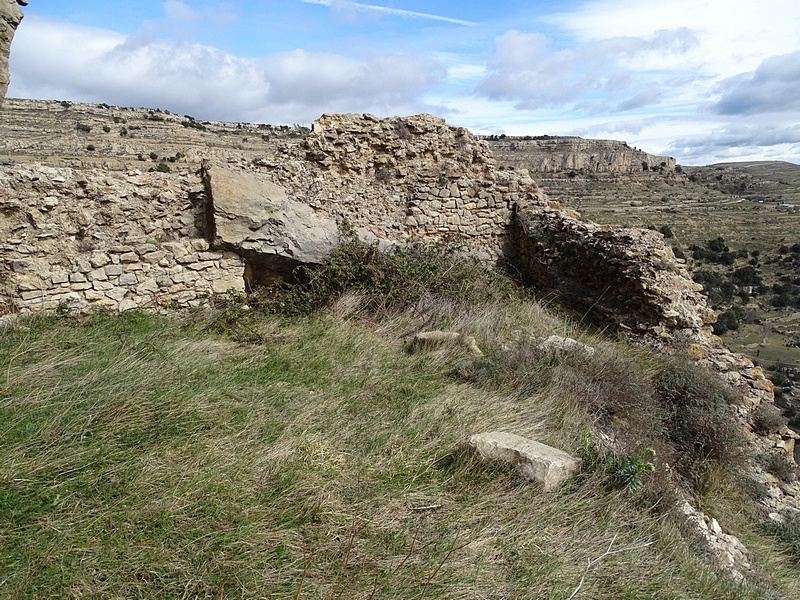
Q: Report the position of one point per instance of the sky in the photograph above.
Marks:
(703, 81)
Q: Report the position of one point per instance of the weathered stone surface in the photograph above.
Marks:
(438, 337)
(124, 257)
(623, 276)
(553, 154)
(726, 551)
(563, 345)
(10, 17)
(534, 461)
(256, 219)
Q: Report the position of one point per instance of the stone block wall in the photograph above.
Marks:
(106, 240)
(403, 177)
(629, 277)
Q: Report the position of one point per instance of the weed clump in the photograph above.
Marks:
(622, 471)
(787, 532)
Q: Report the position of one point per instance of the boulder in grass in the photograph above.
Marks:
(533, 460)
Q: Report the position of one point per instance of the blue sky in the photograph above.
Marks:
(702, 80)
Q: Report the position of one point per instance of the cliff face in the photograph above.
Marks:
(10, 17)
(564, 154)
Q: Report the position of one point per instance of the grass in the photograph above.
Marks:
(243, 453)
(146, 457)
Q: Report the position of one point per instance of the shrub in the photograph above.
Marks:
(386, 280)
(727, 321)
(787, 532)
(623, 471)
(767, 419)
(153, 156)
(90, 147)
(82, 128)
(699, 422)
(783, 467)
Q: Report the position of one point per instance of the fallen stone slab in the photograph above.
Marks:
(534, 461)
(564, 345)
(256, 219)
(440, 337)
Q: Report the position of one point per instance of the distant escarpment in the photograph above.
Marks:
(556, 154)
(10, 17)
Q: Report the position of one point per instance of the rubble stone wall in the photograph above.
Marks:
(106, 240)
(403, 177)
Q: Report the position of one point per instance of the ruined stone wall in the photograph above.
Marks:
(618, 275)
(403, 177)
(106, 240)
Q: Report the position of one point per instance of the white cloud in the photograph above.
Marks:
(734, 35)
(57, 60)
(773, 87)
(594, 76)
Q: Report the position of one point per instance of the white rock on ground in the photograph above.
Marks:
(534, 461)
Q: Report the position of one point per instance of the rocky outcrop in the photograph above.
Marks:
(535, 461)
(10, 17)
(549, 154)
(724, 550)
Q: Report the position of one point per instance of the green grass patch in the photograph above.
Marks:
(147, 456)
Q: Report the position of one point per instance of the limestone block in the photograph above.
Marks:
(98, 275)
(564, 345)
(60, 277)
(127, 304)
(128, 279)
(255, 217)
(99, 259)
(230, 282)
(533, 460)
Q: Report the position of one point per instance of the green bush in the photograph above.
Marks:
(699, 422)
(390, 280)
(623, 471)
(161, 168)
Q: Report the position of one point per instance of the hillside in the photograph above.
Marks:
(322, 456)
(224, 362)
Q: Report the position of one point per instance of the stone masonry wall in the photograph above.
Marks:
(92, 239)
(403, 177)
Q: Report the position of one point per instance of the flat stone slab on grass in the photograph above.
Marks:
(534, 461)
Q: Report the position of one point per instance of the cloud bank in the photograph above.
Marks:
(295, 86)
